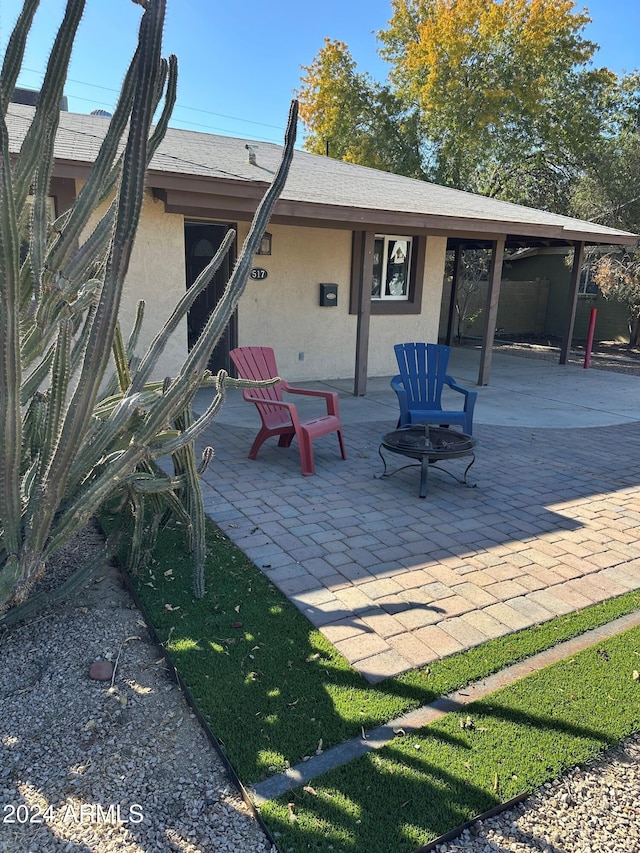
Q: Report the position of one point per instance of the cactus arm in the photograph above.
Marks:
(185, 461)
(169, 103)
(135, 331)
(103, 174)
(10, 366)
(104, 438)
(180, 389)
(15, 53)
(40, 219)
(94, 246)
(35, 379)
(45, 120)
(120, 358)
(60, 374)
(129, 206)
(199, 355)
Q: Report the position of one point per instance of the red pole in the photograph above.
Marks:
(592, 328)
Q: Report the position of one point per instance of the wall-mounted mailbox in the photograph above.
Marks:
(328, 294)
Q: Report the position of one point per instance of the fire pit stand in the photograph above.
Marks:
(429, 445)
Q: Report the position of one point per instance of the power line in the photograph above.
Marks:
(178, 106)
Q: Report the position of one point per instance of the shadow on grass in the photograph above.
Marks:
(433, 780)
(424, 785)
(271, 687)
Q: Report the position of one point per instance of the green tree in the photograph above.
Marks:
(609, 192)
(350, 117)
(498, 95)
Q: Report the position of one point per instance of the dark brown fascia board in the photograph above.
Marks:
(601, 240)
(207, 186)
(334, 216)
(215, 197)
(71, 169)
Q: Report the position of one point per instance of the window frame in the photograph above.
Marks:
(386, 240)
(410, 305)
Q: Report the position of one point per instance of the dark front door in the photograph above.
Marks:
(201, 244)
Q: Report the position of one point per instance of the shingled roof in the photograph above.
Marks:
(201, 167)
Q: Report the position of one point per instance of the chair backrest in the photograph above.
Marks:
(257, 363)
(423, 368)
(260, 363)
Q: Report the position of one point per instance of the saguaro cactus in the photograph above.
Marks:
(70, 437)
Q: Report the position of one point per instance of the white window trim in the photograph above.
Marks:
(387, 238)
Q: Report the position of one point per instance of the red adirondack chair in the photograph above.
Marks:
(281, 418)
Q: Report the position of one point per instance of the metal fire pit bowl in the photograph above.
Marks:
(430, 445)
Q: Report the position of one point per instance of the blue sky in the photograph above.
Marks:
(240, 62)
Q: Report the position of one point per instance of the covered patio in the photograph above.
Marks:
(396, 582)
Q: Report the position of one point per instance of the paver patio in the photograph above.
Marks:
(394, 581)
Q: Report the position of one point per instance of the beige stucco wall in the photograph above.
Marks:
(283, 311)
(156, 274)
(314, 342)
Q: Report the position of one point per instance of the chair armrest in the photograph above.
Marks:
(396, 384)
(330, 397)
(398, 387)
(468, 393)
(260, 401)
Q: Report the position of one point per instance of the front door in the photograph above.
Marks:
(202, 241)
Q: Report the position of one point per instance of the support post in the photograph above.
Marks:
(364, 314)
(590, 337)
(572, 302)
(457, 269)
(491, 310)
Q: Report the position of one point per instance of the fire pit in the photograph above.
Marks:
(430, 445)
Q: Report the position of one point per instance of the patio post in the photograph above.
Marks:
(457, 266)
(365, 276)
(491, 309)
(572, 302)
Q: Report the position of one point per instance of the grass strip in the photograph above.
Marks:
(429, 782)
(272, 688)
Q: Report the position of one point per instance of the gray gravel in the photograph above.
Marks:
(94, 766)
(595, 809)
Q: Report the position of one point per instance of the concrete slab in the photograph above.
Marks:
(556, 507)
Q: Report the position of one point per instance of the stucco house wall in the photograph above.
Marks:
(315, 342)
(157, 275)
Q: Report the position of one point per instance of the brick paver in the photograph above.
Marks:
(394, 581)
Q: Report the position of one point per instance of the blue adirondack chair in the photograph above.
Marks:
(423, 375)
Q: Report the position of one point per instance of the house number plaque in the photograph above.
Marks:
(258, 274)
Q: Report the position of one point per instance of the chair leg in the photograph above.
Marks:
(340, 439)
(305, 445)
(285, 439)
(258, 441)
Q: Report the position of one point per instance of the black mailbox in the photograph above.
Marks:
(328, 294)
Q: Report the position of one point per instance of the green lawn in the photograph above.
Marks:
(271, 686)
(422, 785)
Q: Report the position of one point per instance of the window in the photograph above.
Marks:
(391, 267)
(587, 288)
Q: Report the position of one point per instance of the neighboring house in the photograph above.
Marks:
(378, 238)
(549, 266)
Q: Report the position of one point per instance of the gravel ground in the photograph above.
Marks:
(590, 810)
(616, 358)
(100, 767)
